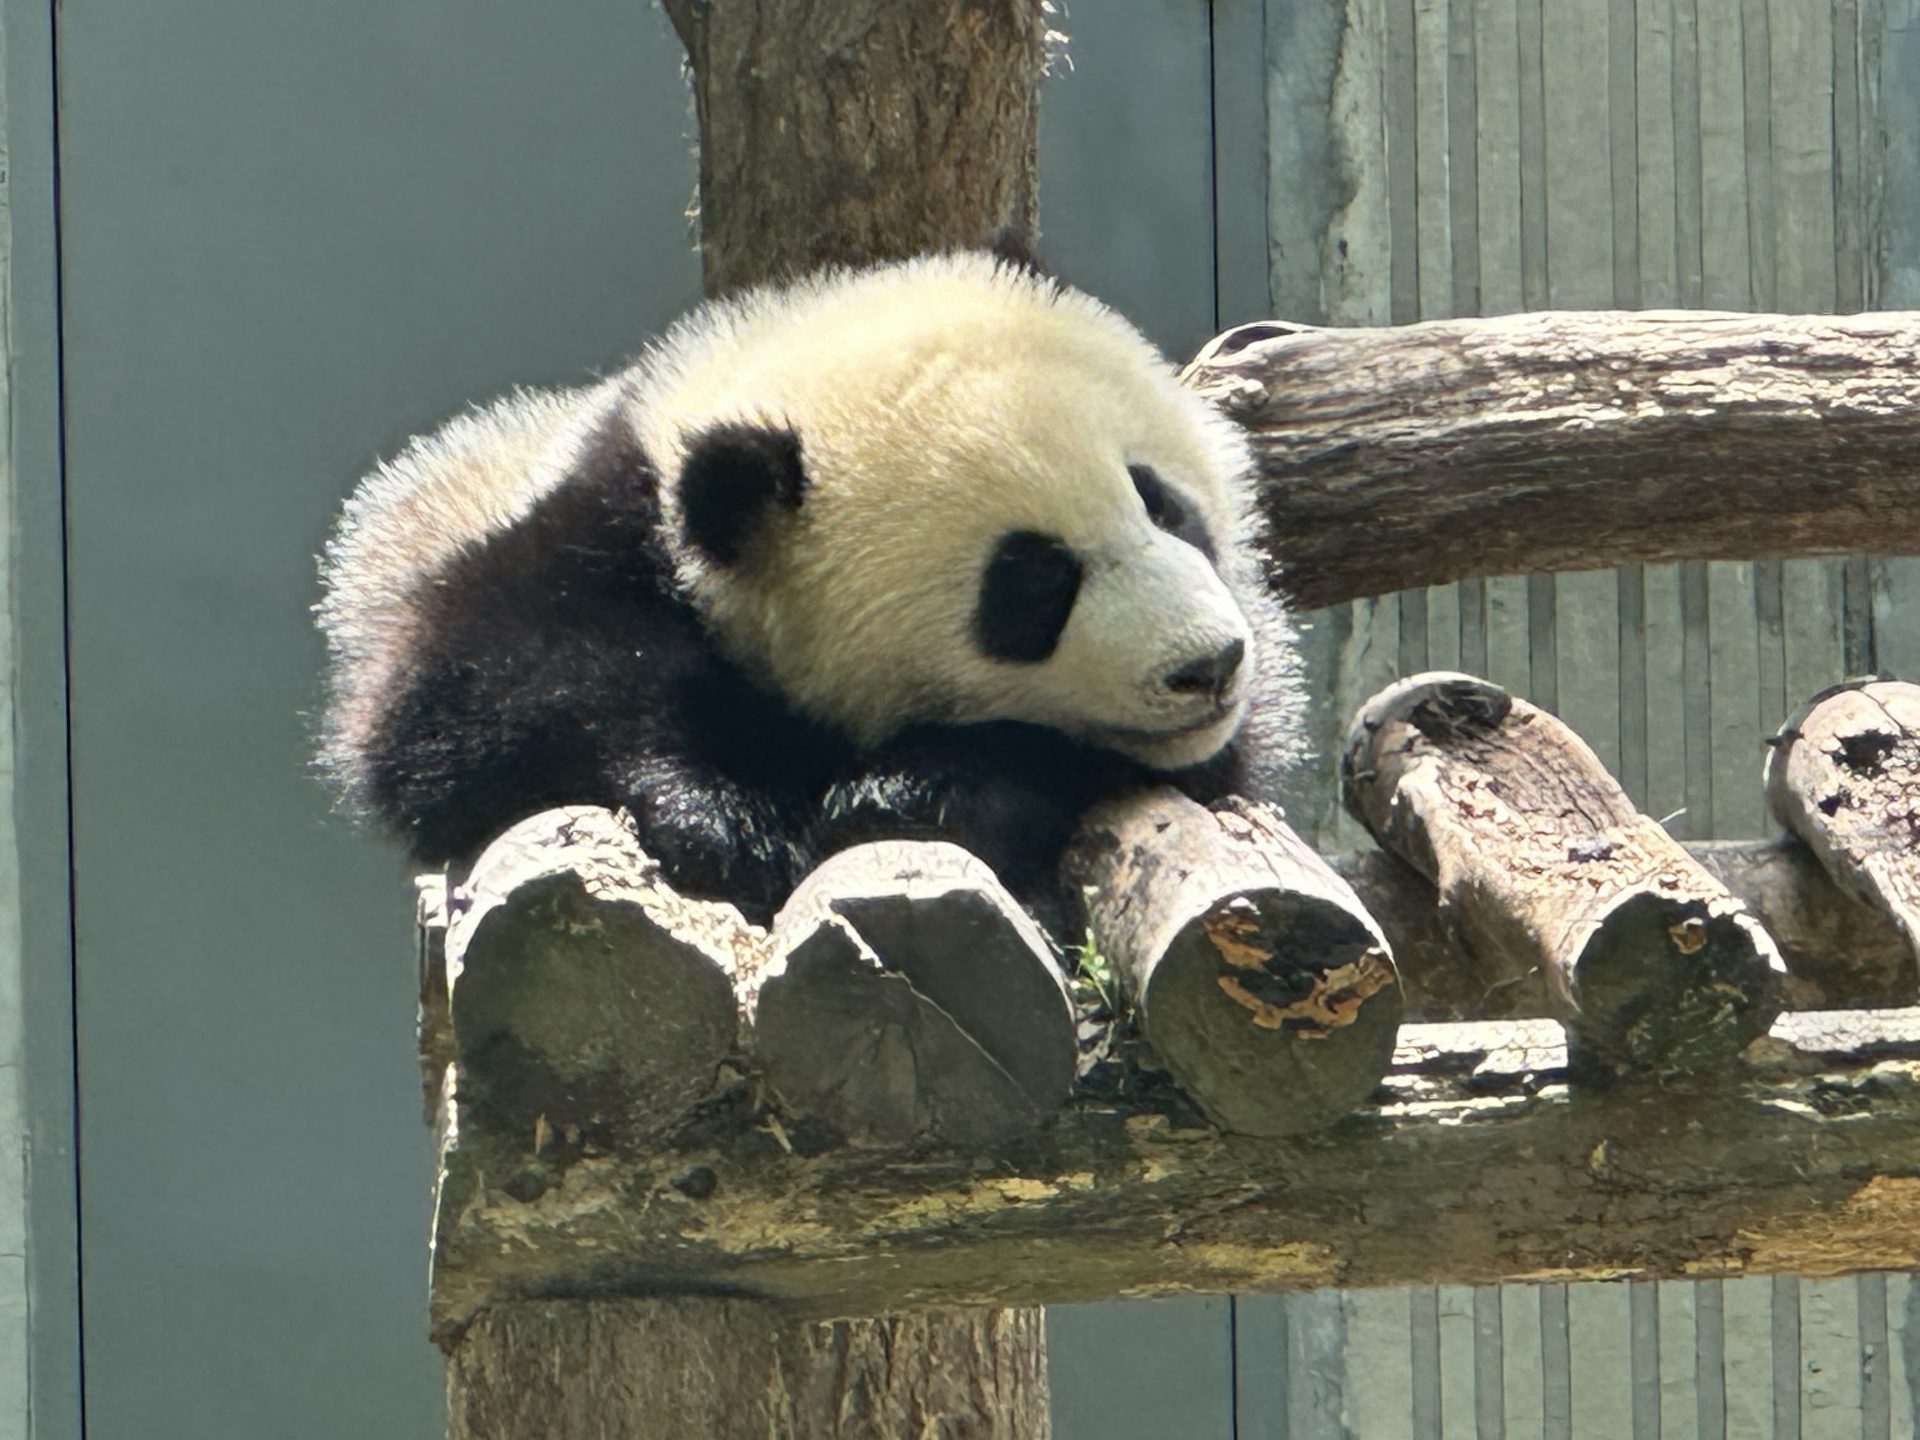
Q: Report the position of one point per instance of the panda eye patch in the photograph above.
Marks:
(1163, 506)
(1026, 595)
(1167, 510)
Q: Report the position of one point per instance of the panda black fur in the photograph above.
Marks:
(937, 549)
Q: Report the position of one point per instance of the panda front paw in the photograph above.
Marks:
(1014, 826)
(709, 850)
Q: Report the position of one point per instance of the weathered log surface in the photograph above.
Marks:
(1564, 440)
(1252, 971)
(1844, 776)
(1651, 963)
(1841, 953)
(911, 999)
(590, 1004)
(1479, 1166)
(859, 130)
(701, 1368)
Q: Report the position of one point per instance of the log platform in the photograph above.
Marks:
(906, 1097)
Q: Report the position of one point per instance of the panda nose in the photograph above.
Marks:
(1210, 675)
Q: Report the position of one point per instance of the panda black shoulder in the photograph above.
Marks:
(520, 642)
(557, 659)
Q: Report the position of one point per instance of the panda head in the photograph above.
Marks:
(955, 491)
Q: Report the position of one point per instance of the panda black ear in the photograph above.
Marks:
(734, 474)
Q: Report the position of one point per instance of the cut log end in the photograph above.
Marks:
(1666, 984)
(588, 1004)
(1253, 973)
(914, 1000)
(1275, 1012)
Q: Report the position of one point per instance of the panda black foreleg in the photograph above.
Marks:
(1013, 795)
(714, 838)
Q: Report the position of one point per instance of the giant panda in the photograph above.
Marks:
(930, 549)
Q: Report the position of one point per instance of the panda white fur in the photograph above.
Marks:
(936, 549)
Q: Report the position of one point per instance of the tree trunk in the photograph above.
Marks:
(847, 131)
(693, 1366)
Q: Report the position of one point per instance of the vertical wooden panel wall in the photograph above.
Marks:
(1485, 156)
(1760, 1358)
(1459, 157)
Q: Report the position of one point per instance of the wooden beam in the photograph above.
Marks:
(1567, 440)
(1477, 1166)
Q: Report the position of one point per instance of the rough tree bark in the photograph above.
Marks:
(694, 1367)
(1564, 440)
(834, 131)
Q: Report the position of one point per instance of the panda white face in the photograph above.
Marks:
(953, 492)
(1129, 638)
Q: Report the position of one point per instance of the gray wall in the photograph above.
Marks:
(1763, 1358)
(13, 1177)
(289, 237)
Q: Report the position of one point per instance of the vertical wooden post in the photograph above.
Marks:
(683, 1366)
(840, 132)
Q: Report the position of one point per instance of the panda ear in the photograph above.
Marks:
(734, 475)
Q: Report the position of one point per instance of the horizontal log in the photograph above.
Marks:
(1533, 847)
(1844, 775)
(1414, 455)
(1477, 1167)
